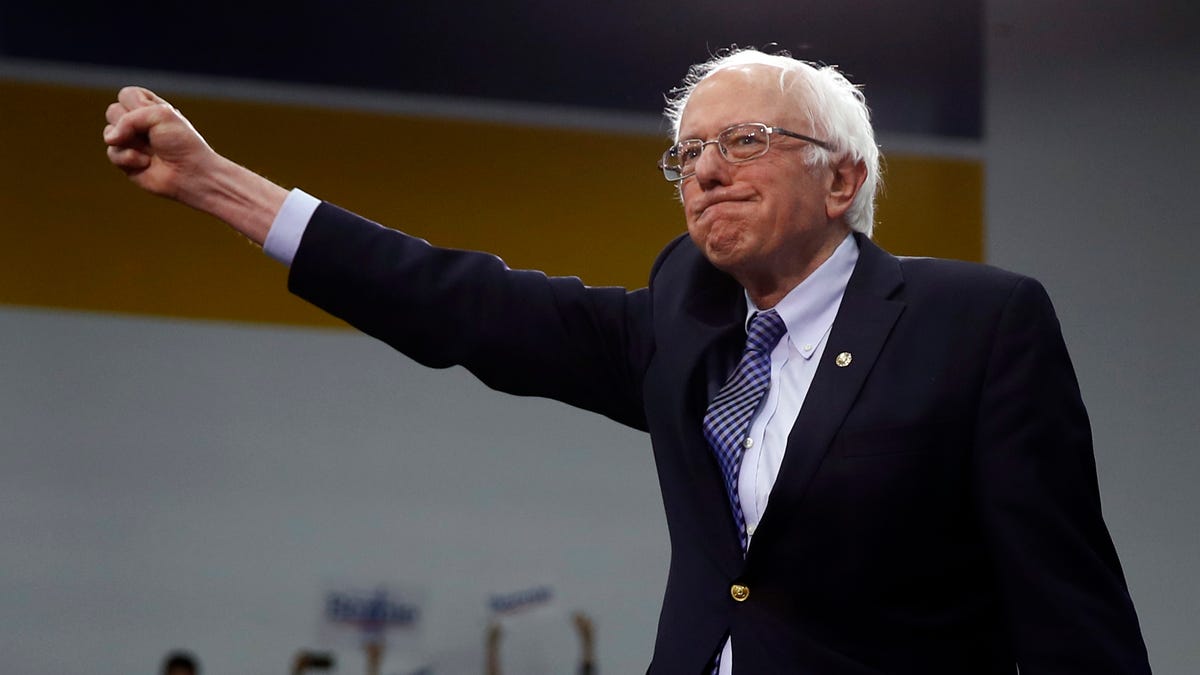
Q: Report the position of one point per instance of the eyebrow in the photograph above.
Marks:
(723, 127)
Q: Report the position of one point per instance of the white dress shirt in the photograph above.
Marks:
(808, 311)
(283, 239)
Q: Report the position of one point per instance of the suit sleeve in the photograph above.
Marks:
(1067, 605)
(518, 331)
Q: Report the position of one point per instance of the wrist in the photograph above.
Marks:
(244, 200)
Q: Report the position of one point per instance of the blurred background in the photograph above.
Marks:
(190, 457)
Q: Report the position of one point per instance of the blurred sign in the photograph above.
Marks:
(353, 616)
(520, 601)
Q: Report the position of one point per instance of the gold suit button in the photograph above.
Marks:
(739, 592)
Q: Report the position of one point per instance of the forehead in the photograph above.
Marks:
(740, 94)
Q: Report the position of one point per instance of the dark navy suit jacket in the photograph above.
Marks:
(937, 509)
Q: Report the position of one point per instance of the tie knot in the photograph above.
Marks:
(764, 331)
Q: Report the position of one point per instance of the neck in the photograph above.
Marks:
(767, 289)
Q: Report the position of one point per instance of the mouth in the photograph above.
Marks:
(716, 204)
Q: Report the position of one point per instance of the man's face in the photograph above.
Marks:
(764, 220)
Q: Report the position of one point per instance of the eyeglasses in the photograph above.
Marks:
(739, 143)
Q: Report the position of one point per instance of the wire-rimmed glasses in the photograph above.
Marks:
(739, 143)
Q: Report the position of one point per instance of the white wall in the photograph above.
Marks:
(1092, 113)
(181, 483)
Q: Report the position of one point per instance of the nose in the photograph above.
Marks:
(712, 169)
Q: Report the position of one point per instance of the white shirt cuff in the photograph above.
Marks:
(283, 239)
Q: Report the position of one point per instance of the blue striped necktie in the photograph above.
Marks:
(727, 422)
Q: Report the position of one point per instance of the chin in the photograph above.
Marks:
(725, 256)
(723, 240)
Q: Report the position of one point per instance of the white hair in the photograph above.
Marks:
(835, 107)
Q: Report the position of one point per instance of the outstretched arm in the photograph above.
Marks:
(519, 332)
(162, 153)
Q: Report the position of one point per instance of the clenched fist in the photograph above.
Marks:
(162, 153)
(154, 144)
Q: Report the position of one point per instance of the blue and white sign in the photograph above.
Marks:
(352, 616)
(520, 601)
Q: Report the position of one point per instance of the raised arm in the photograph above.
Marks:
(162, 153)
(519, 332)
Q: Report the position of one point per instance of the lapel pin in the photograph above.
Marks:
(843, 359)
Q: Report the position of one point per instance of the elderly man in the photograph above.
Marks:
(868, 464)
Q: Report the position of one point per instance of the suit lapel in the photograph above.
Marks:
(715, 333)
(864, 321)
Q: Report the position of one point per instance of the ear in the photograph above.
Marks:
(847, 179)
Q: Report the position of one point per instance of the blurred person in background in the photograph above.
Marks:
(180, 662)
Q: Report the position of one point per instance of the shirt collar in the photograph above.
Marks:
(808, 310)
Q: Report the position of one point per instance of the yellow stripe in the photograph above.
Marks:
(76, 235)
(932, 207)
